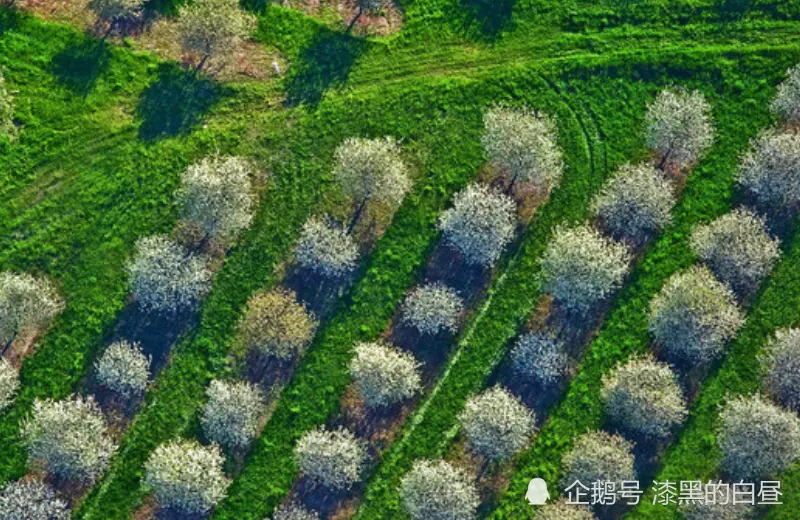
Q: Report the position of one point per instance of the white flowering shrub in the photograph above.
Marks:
(738, 248)
(598, 456)
(540, 357)
(31, 500)
(694, 316)
(636, 203)
(439, 491)
(294, 512)
(124, 368)
(186, 476)
(9, 384)
(783, 364)
(213, 27)
(523, 144)
(113, 11)
(770, 173)
(383, 374)
(580, 267)
(643, 398)
(433, 308)
(326, 249)
(165, 278)
(232, 413)
(331, 458)
(787, 100)
(276, 324)
(758, 439)
(716, 511)
(678, 126)
(496, 424)
(69, 437)
(7, 126)
(480, 224)
(561, 510)
(26, 303)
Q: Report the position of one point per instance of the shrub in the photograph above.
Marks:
(9, 384)
(678, 126)
(213, 27)
(294, 512)
(541, 358)
(480, 224)
(598, 456)
(438, 491)
(694, 316)
(523, 144)
(635, 204)
(7, 126)
(31, 500)
(26, 304)
(783, 361)
(166, 278)
(757, 438)
(333, 459)
(433, 308)
(70, 437)
(496, 424)
(581, 267)
(232, 413)
(643, 397)
(770, 173)
(124, 369)
(714, 511)
(276, 324)
(186, 476)
(737, 248)
(114, 11)
(326, 249)
(787, 100)
(384, 375)
(561, 510)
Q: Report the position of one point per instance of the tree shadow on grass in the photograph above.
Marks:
(79, 66)
(488, 17)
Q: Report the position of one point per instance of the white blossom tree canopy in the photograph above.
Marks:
(480, 224)
(276, 324)
(69, 437)
(166, 278)
(709, 510)
(232, 413)
(124, 368)
(433, 308)
(598, 456)
(9, 384)
(770, 172)
(678, 126)
(113, 11)
(496, 424)
(7, 126)
(294, 512)
(540, 357)
(213, 27)
(31, 500)
(524, 145)
(783, 365)
(331, 458)
(561, 510)
(384, 374)
(26, 303)
(439, 491)
(787, 100)
(327, 249)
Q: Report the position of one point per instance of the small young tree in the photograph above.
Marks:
(678, 126)
(7, 126)
(716, 511)
(787, 100)
(231, 414)
(439, 491)
(123, 368)
(770, 173)
(636, 203)
(333, 459)
(643, 398)
(31, 500)
(757, 438)
(213, 28)
(738, 248)
(186, 476)
(26, 304)
(9, 384)
(561, 510)
(581, 267)
(524, 145)
(480, 224)
(294, 512)
(112, 12)
(541, 358)
(496, 424)
(433, 308)
(783, 363)
(384, 375)
(694, 316)
(326, 249)
(216, 196)
(277, 325)
(70, 437)
(165, 278)
(598, 456)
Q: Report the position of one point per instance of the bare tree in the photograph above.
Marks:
(113, 12)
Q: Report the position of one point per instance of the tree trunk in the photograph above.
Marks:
(8, 345)
(664, 159)
(355, 19)
(200, 65)
(357, 216)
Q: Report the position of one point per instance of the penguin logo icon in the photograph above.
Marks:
(537, 494)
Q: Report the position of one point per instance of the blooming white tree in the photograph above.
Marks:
(709, 510)
(783, 365)
(9, 384)
(738, 248)
(31, 500)
(694, 316)
(561, 510)
(326, 249)
(496, 424)
(523, 144)
(581, 267)
(124, 368)
(383, 374)
(295, 512)
(433, 308)
(770, 172)
(7, 126)
(643, 398)
(678, 126)
(439, 491)
(480, 224)
(113, 12)
(166, 278)
(757, 438)
(232, 413)
(331, 458)
(186, 476)
(69, 437)
(787, 100)
(636, 203)
(276, 324)
(598, 456)
(213, 28)
(540, 357)
(26, 304)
